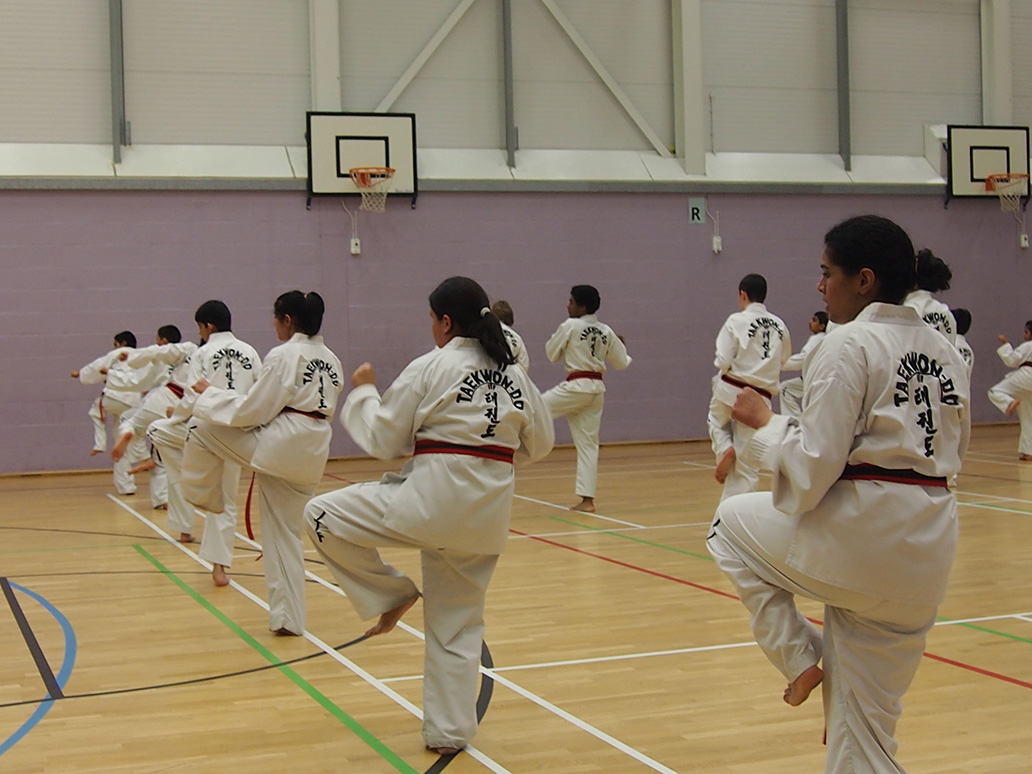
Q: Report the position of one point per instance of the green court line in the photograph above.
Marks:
(988, 631)
(385, 752)
(626, 536)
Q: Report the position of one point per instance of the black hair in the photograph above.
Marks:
(305, 309)
(875, 243)
(503, 311)
(963, 318)
(170, 333)
(1028, 325)
(755, 287)
(466, 303)
(126, 339)
(586, 296)
(822, 318)
(215, 313)
(933, 274)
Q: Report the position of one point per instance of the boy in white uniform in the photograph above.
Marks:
(792, 389)
(471, 415)
(503, 311)
(227, 362)
(860, 516)
(752, 348)
(113, 402)
(1014, 393)
(586, 345)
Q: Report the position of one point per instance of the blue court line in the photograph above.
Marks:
(62, 676)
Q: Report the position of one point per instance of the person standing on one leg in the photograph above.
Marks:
(586, 345)
(281, 430)
(230, 364)
(112, 402)
(752, 348)
(1013, 395)
(791, 390)
(860, 517)
(471, 415)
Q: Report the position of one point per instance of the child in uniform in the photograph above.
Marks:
(503, 311)
(792, 389)
(1014, 393)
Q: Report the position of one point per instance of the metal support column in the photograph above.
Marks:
(842, 56)
(118, 133)
(512, 136)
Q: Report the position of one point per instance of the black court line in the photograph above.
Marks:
(483, 700)
(84, 532)
(30, 639)
(192, 681)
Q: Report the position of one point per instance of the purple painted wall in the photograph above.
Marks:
(79, 266)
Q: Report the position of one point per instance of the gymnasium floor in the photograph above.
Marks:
(616, 643)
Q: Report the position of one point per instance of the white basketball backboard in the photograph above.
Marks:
(337, 142)
(975, 152)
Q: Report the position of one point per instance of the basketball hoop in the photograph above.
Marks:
(1009, 187)
(374, 183)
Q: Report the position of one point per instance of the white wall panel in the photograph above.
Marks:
(1021, 52)
(54, 71)
(912, 62)
(235, 72)
(770, 68)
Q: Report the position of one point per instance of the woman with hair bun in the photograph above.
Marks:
(860, 517)
(281, 430)
(933, 276)
(469, 417)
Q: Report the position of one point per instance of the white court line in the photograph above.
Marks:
(382, 687)
(991, 461)
(997, 507)
(353, 667)
(699, 465)
(1003, 617)
(592, 515)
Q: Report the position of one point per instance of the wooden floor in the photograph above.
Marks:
(617, 645)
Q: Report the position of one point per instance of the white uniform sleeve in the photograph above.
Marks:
(795, 362)
(169, 354)
(617, 354)
(385, 426)
(523, 358)
(786, 347)
(727, 347)
(90, 373)
(808, 455)
(1012, 357)
(538, 436)
(268, 396)
(556, 346)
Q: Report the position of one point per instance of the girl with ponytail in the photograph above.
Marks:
(467, 417)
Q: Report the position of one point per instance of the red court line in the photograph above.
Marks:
(339, 478)
(941, 659)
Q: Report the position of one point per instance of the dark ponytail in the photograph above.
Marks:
(305, 309)
(466, 303)
(933, 274)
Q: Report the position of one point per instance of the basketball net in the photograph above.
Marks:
(1010, 188)
(374, 183)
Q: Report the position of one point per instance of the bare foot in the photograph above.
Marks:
(161, 507)
(139, 467)
(218, 574)
(1025, 457)
(390, 619)
(119, 448)
(727, 461)
(799, 689)
(444, 750)
(1012, 407)
(586, 505)
(283, 631)
(95, 452)
(185, 537)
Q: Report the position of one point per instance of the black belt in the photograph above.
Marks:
(866, 472)
(739, 383)
(312, 414)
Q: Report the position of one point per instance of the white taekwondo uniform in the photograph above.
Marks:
(112, 402)
(223, 361)
(281, 430)
(934, 312)
(874, 545)
(1017, 385)
(452, 500)
(751, 349)
(966, 352)
(791, 390)
(519, 351)
(586, 345)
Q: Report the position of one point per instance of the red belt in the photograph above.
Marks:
(866, 472)
(583, 375)
(739, 383)
(175, 389)
(312, 414)
(499, 453)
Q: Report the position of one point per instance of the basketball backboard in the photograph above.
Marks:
(975, 152)
(338, 142)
